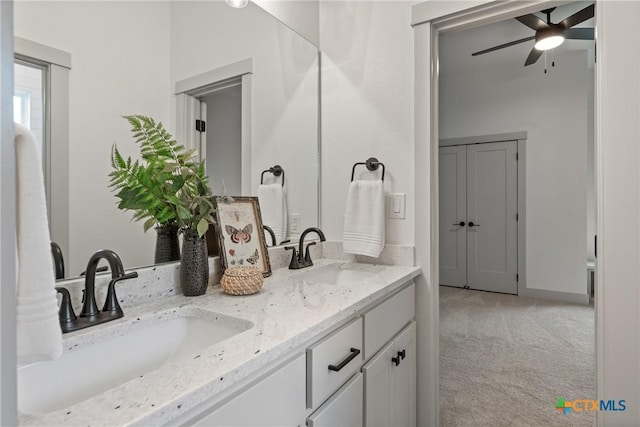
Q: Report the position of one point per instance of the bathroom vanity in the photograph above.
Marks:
(334, 342)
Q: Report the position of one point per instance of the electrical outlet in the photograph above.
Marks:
(294, 222)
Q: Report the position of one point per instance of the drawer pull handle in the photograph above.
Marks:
(346, 360)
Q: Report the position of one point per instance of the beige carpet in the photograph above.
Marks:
(505, 360)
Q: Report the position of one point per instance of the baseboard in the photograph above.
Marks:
(555, 295)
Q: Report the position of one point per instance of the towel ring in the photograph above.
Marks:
(276, 171)
(372, 165)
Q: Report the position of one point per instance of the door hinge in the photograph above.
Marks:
(517, 277)
(200, 125)
(517, 156)
(517, 216)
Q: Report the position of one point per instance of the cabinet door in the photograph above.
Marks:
(277, 400)
(403, 379)
(377, 388)
(343, 409)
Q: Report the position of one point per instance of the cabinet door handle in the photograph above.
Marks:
(345, 361)
(461, 223)
(396, 360)
(402, 354)
(472, 224)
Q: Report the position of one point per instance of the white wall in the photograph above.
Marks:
(284, 88)
(367, 104)
(553, 109)
(120, 56)
(618, 274)
(8, 395)
(302, 16)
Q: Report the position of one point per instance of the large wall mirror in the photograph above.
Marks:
(126, 58)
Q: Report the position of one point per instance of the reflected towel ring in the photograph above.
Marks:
(276, 171)
(372, 165)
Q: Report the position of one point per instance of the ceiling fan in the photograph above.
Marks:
(549, 35)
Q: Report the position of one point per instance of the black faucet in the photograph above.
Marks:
(302, 258)
(271, 233)
(58, 260)
(90, 315)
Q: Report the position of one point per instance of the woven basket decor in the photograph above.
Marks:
(241, 280)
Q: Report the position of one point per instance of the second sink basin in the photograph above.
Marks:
(341, 273)
(119, 354)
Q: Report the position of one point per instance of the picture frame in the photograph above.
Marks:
(240, 233)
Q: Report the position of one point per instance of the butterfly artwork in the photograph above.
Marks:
(253, 258)
(239, 236)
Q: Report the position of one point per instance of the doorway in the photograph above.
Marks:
(430, 20)
(479, 216)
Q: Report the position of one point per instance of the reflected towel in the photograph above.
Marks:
(38, 329)
(364, 219)
(273, 205)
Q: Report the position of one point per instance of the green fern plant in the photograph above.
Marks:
(166, 186)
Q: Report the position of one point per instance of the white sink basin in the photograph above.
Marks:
(341, 273)
(119, 354)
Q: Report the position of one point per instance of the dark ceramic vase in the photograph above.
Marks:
(167, 246)
(194, 265)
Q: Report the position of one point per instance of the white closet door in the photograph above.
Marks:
(492, 231)
(453, 213)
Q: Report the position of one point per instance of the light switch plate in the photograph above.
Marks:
(396, 205)
(294, 222)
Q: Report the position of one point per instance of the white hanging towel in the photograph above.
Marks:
(273, 206)
(364, 219)
(38, 329)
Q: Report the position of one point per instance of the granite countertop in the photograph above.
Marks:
(286, 314)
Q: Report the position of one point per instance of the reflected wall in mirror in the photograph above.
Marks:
(126, 58)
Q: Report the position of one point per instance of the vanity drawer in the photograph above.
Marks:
(384, 321)
(332, 361)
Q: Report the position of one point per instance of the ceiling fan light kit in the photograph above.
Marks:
(549, 35)
(549, 38)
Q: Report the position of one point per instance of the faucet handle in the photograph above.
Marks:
(65, 313)
(111, 304)
(293, 265)
(307, 255)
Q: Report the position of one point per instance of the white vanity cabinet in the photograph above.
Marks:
(390, 375)
(361, 374)
(277, 400)
(390, 383)
(384, 393)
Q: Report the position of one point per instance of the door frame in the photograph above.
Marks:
(208, 82)
(428, 20)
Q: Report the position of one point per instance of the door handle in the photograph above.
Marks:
(471, 224)
(402, 354)
(461, 224)
(345, 361)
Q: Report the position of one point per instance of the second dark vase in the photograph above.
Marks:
(194, 265)
(167, 245)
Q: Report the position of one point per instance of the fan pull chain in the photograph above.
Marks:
(545, 62)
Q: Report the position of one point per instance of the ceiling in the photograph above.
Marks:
(456, 47)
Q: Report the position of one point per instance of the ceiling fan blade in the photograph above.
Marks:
(502, 46)
(532, 21)
(534, 55)
(579, 33)
(580, 16)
